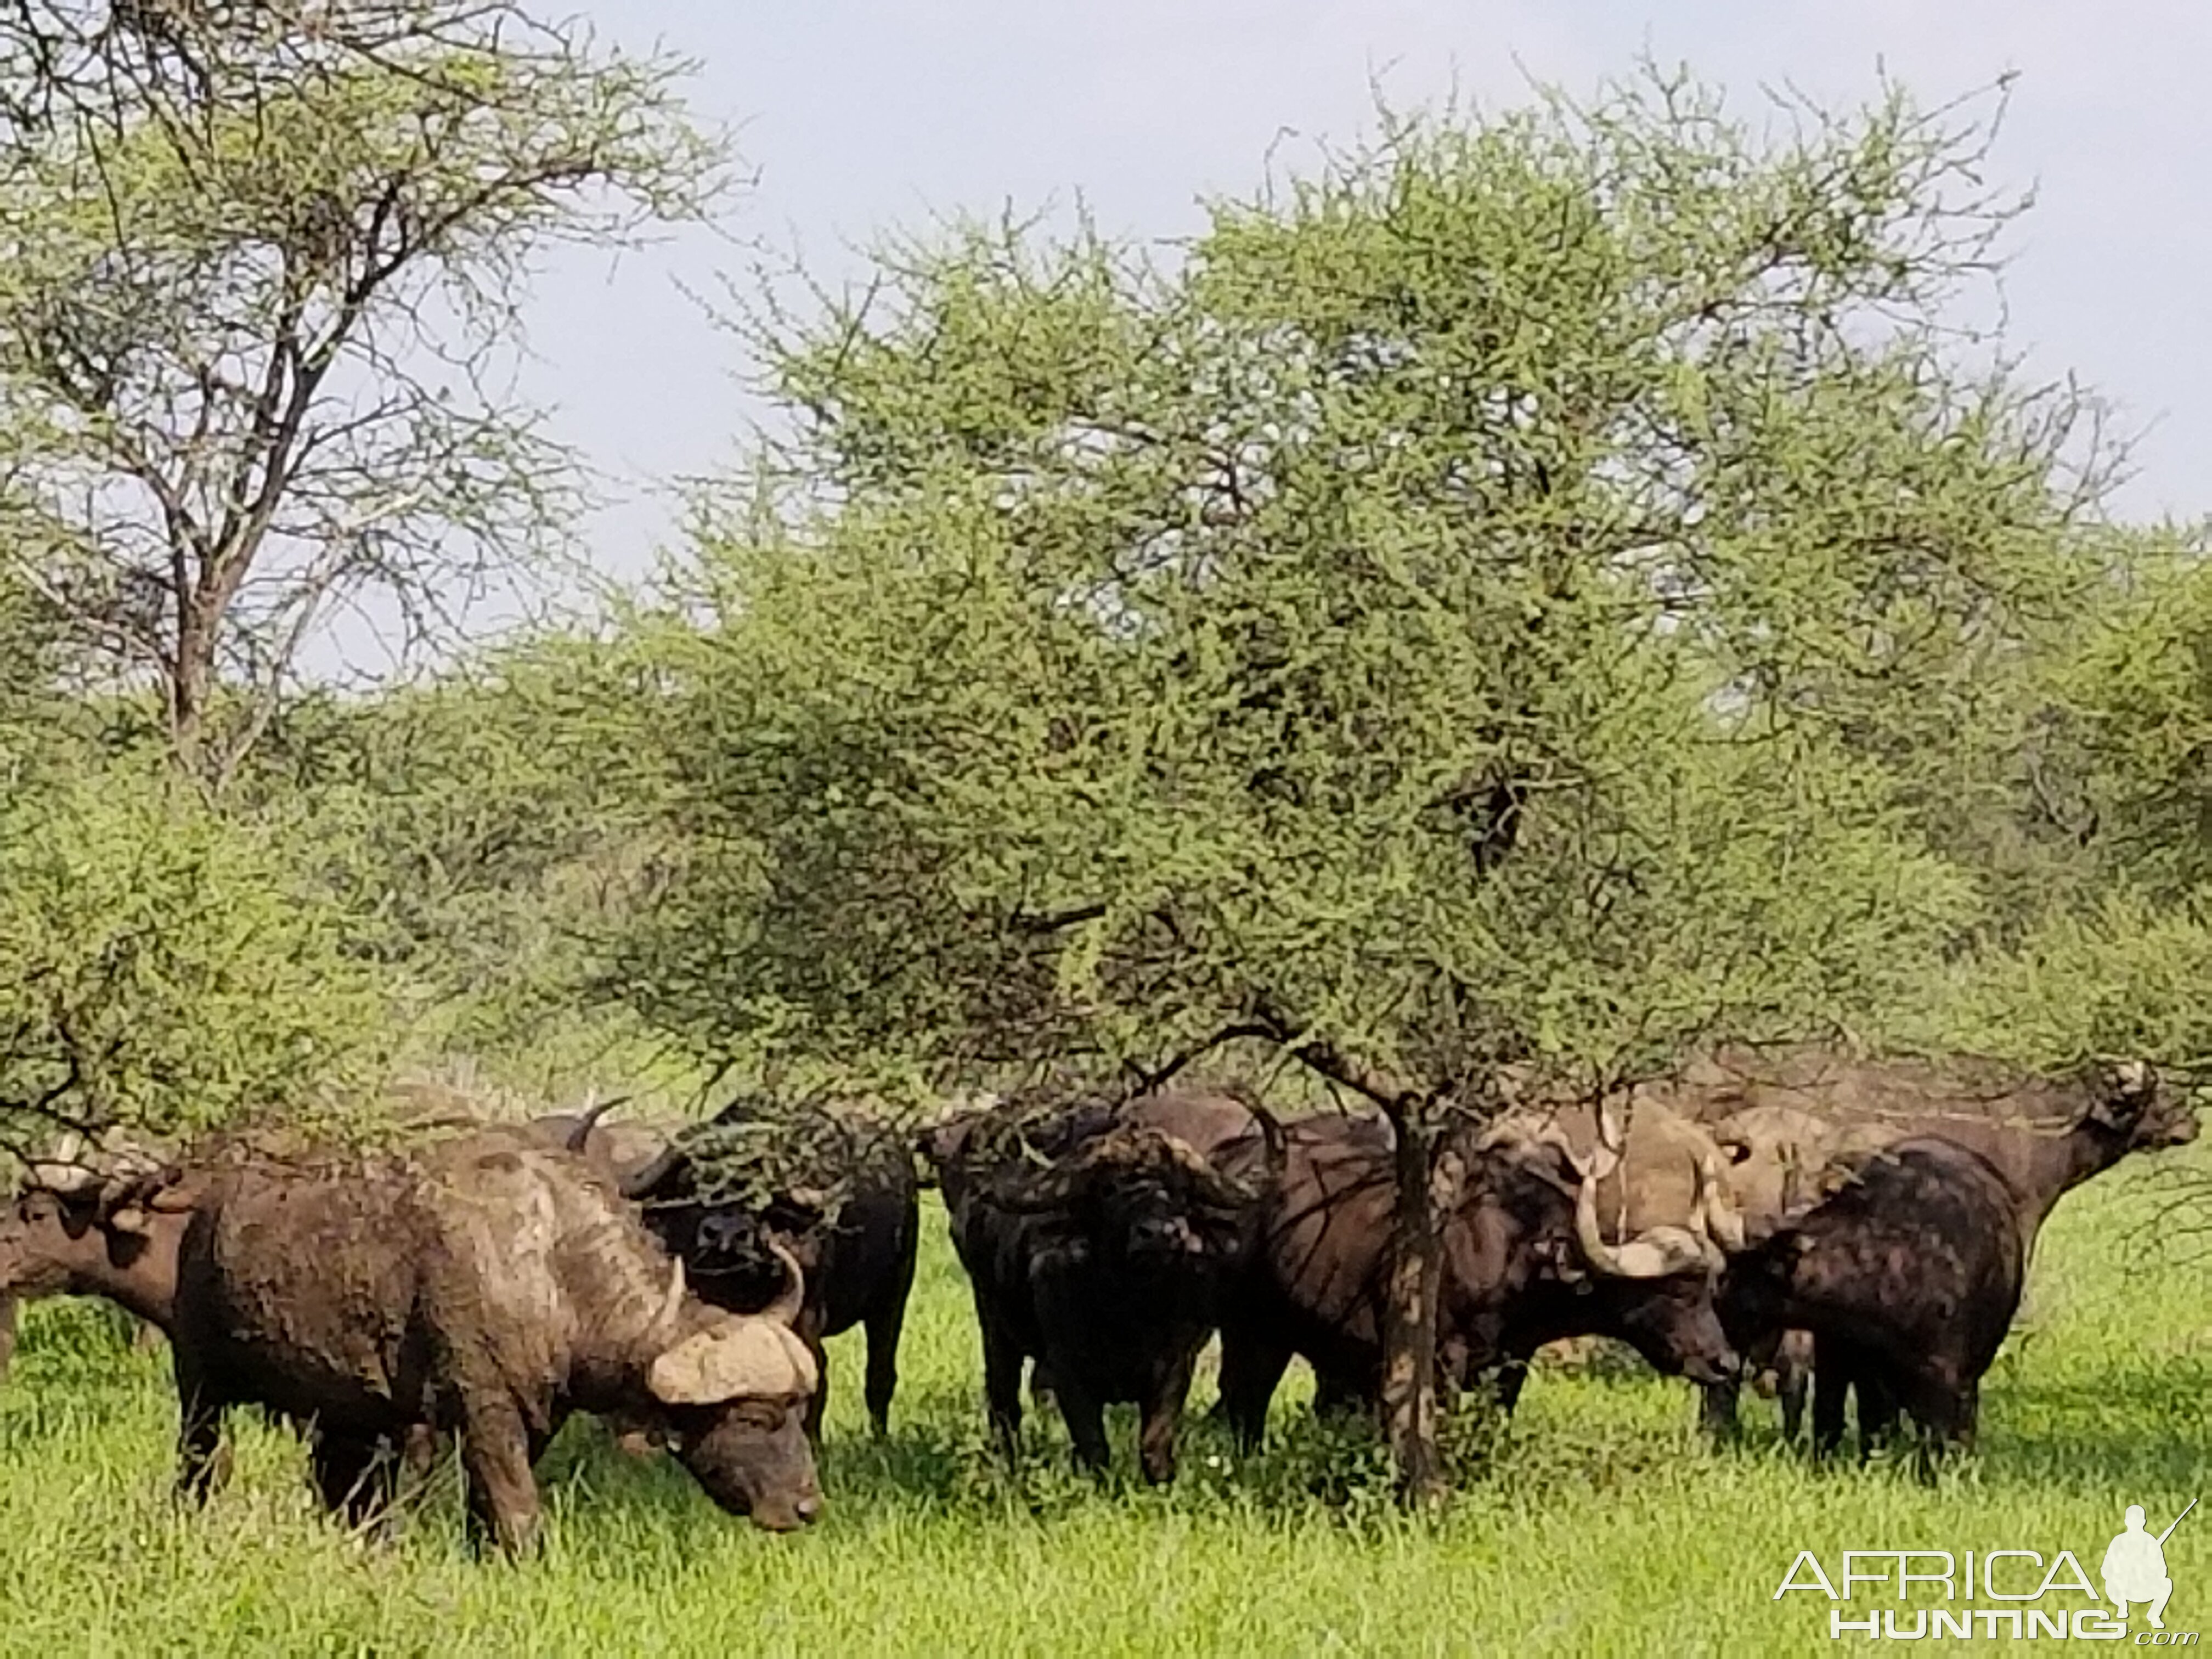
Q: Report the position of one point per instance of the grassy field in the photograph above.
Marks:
(1599, 1525)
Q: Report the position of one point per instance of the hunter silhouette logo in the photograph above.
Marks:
(2134, 1567)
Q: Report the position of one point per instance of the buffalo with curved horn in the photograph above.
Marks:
(853, 1223)
(1525, 1262)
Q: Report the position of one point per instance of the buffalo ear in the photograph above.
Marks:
(736, 1357)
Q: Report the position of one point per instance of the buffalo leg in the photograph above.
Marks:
(1832, 1382)
(1155, 1437)
(1946, 1410)
(1337, 1395)
(1878, 1408)
(1252, 1368)
(353, 1474)
(1002, 1385)
(495, 1457)
(1506, 1385)
(202, 1455)
(7, 1332)
(1716, 1411)
(419, 1451)
(1085, 1417)
(1793, 1381)
(885, 1326)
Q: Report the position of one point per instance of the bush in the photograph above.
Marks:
(167, 969)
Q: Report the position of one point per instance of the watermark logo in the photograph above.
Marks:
(2134, 1567)
(2032, 1597)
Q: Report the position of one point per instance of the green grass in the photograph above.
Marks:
(1600, 1526)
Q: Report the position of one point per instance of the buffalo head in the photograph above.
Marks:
(1144, 1195)
(97, 1224)
(2131, 1100)
(732, 1396)
(1656, 1287)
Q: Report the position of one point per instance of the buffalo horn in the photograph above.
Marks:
(1602, 1255)
(1723, 1219)
(674, 1299)
(640, 1183)
(785, 1308)
(1701, 1213)
(588, 1120)
(1653, 1254)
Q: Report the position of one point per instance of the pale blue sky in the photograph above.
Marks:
(863, 116)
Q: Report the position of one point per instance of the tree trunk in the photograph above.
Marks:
(1409, 1314)
(190, 675)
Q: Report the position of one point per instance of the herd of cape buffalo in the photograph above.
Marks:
(1821, 1222)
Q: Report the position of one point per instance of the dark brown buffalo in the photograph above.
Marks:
(1907, 1277)
(487, 1288)
(1101, 1249)
(1799, 1120)
(1525, 1263)
(857, 1251)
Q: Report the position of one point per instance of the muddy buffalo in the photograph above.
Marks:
(1907, 1279)
(487, 1288)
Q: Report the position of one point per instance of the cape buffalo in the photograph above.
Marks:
(1525, 1262)
(1798, 1120)
(1907, 1276)
(485, 1287)
(857, 1253)
(67, 1174)
(1106, 1263)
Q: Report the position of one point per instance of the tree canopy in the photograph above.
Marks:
(1487, 602)
(262, 273)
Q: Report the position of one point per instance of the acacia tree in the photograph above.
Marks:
(261, 268)
(1438, 625)
(2114, 961)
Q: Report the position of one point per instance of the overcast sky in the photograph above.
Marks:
(858, 116)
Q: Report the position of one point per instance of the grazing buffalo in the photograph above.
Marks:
(1525, 1262)
(1907, 1277)
(64, 1177)
(1798, 1120)
(1099, 1248)
(1654, 1173)
(856, 1250)
(486, 1287)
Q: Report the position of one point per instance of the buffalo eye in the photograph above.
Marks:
(766, 1415)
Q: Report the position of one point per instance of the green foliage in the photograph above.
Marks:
(26, 663)
(2122, 977)
(2138, 689)
(167, 970)
(1493, 601)
(258, 281)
